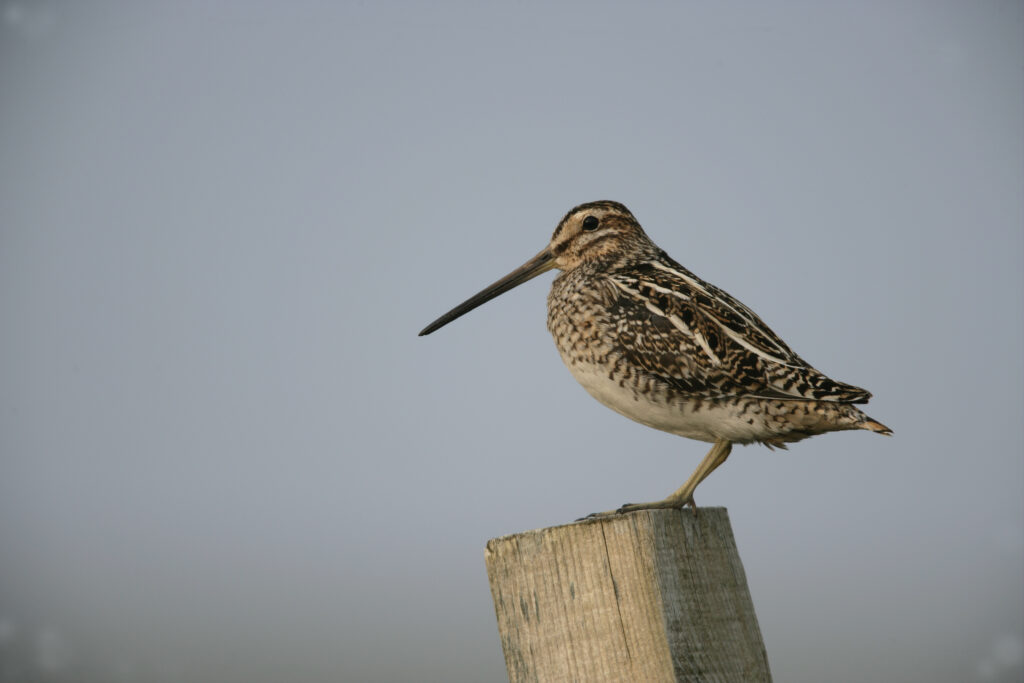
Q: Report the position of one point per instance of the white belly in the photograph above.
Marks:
(700, 420)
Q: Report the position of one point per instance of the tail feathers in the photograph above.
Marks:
(874, 426)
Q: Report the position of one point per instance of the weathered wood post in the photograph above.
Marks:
(654, 595)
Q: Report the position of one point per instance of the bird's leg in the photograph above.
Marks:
(684, 494)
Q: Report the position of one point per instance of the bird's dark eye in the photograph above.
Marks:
(590, 223)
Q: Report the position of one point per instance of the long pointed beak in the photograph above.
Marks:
(542, 262)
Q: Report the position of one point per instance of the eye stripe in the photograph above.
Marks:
(583, 240)
(587, 241)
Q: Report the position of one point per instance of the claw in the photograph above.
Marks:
(667, 504)
(597, 515)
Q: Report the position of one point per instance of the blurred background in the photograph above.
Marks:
(226, 456)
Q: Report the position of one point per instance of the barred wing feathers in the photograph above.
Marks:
(702, 341)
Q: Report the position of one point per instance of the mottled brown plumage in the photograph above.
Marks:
(654, 342)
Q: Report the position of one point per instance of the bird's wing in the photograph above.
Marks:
(703, 341)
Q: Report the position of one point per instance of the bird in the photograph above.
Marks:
(652, 341)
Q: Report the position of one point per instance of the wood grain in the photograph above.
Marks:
(653, 595)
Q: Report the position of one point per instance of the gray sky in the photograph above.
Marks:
(226, 456)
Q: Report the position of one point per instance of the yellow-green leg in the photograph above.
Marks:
(684, 494)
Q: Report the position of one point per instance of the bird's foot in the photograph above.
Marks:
(598, 515)
(666, 504)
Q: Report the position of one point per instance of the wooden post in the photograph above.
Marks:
(653, 595)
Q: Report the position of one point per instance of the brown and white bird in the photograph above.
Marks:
(652, 341)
